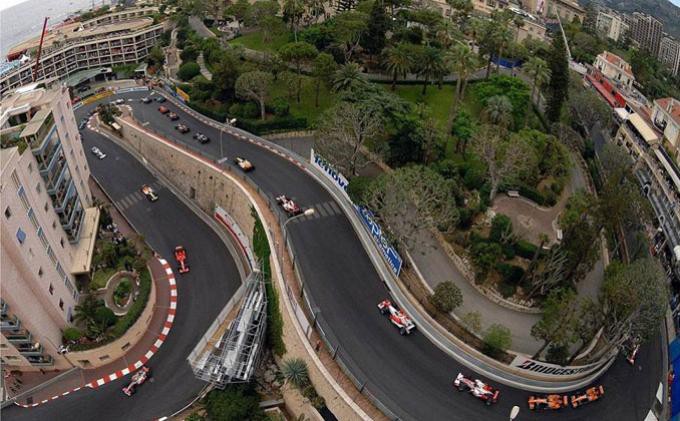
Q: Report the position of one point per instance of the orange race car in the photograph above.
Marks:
(590, 395)
(548, 402)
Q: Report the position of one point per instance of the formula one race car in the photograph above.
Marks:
(477, 388)
(98, 152)
(182, 128)
(397, 317)
(590, 395)
(181, 257)
(163, 110)
(137, 379)
(201, 137)
(149, 193)
(173, 116)
(288, 205)
(548, 402)
(634, 348)
(244, 164)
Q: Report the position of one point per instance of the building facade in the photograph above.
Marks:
(669, 54)
(49, 224)
(615, 69)
(666, 117)
(611, 26)
(646, 31)
(567, 10)
(114, 39)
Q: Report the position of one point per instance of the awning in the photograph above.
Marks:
(36, 122)
(643, 128)
(84, 249)
(83, 75)
(668, 167)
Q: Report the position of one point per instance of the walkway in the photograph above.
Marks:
(204, 70)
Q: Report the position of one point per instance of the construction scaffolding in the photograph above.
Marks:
(232, 359)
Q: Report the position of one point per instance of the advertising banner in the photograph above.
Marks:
(546, 369)
(182, 95)
(327, 169)
(393, 258)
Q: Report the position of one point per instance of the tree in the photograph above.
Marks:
(411, 200)
(323, 69)
(589, 322)
(461, 12)
(430, 64)
(537, 69)
(298, 54)
(518, 22)
(292, 13)
(349, 27)
(224, 77)
(239, 10)
(343, 132)
(255, 86)
(348, 76)
(104, 316)
(156, 57)
(473, 320)
(634, 298)
(446, 297)
(498, 111)
(72, 334)
(234, 403)
(294, 371)
(497, 339)
(462, 130)
(374, 37)
(504, 160)
(398, 61)
(587, 108)
(557, 320)
(558, 87)
(464, 62)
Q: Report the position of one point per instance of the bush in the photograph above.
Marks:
(357, 188)
(501, 228)
(136, 309)
(105, 316)
(72, 334)
(497, 339)
(507, 290)
(446, 297)
(190, 53)
(250, 110)
(188, 70)
(280, 107)
(474, 176)
(294, 371)
(525, 249)
(511, 274)
(275, 321)
(234, 403)
(485, 255)
(216, 114)
(557, 354)
(259, 127)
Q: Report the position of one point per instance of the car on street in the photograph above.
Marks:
(160, 99)
(590, 395)
(244, 164)
(181, 257)
(182, 128)
(119, 101)
(146, 100)
(476, 388)
(149, 193)
(201, 137)
(397, 317)
(552, 402)
(141, 376)
(288, 205)
(163, 110)
(98, 153)
(173, 116)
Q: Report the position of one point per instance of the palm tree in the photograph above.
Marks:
(398, 61)
(347, 76)
(85, 312)
(498, 111)
(294, 371)
(518, 21)
(464, 62)
(503, 37)
(537, 68)
(431, 64)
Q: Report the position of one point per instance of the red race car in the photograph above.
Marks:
(181, 257)
(288, 205)
(477, 388)
(548, 402)
(590, 395)
(137, 379)
(397, 317)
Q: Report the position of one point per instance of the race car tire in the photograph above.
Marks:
(402, 331)
(383, 311)
(487, 402)
(461, 387)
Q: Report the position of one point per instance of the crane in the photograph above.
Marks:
(37, 59)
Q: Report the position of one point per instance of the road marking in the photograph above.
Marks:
(328, 208)
(335, 207)
(319, 210)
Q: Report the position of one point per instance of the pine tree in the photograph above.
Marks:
(374, 39)
(558, 88)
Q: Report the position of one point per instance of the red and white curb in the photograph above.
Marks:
(169, 320)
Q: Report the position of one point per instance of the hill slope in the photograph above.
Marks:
(664, 10)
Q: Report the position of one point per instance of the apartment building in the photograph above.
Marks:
(615, 68)
(611, 25)
(646, 31)
(666, 117)
(117, 38)
(669, 54)
(49, 224)
(567, 10)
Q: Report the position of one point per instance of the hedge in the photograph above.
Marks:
(525, 249)
(275, 124)
(219, 115)
(275, 321)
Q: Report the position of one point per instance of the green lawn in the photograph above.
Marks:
(306, 108)
(101, 276)
(437, 100)
(254, 41)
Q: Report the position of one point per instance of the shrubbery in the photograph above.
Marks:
(259, 127)
(188, 70)
(497, 339)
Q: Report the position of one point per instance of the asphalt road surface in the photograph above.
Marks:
(410, 375)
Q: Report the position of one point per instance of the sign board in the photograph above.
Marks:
(329, 172)
(553, 370)
(182, 95)
(391, 255)
(95, 98)
(133, 89)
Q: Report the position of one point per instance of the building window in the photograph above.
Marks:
(38, 188)
(40, 272)
(54, 224)
(30, 167)
(51, 289)
(21, 236)
(61, 242)
(46, 207)
(61, 304)
(8, 212)
(33, 219)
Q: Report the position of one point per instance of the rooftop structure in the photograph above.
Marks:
(615, 68)
(666, 117)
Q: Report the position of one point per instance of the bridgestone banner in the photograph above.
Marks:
(546, 369)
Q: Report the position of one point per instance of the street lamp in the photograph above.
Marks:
(307, 212)
(230, 122)
(514, 412)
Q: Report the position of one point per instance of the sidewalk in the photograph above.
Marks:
(204, 70)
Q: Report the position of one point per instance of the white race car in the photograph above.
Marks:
(288, 205)
(137, 379)
(477, 388)
(244, 164)
(149, 193)
(397, 317)
(98, 152)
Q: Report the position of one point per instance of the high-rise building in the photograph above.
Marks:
(611, 25)
(646, 31)
(49, 224)
(669, 54)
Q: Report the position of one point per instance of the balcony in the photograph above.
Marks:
(28, 349)
(3, 307)
(48, 150)
(63, 192)
(41, 360)
(54, 163)
(55, 178)
(19, 336)
(10, 323)
(37, 130)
